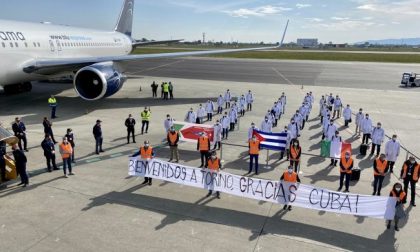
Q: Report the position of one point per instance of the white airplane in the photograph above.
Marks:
(39, 51)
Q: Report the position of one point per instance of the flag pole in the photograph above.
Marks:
(266, 161)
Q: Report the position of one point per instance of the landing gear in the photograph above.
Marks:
(18, 88)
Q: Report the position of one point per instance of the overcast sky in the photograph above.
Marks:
(239, 20)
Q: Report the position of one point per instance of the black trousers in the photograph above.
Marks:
(171, 94)
(225, 133)
(143, 125)
(347, 176)
(366, 138)
(334, 161)
(165, 95)
(21, 169)
(2, 169)
(218, 145)
(409, 180)
(51, 161)
(209, 116)
(232, 126)
(130, 131)
(219, 110)
(391, 166)
(25, 142)
(377, 184)
(154, 93)
(346, 122)
(378, 149)
(282, 154)
(227, 105)
(204, 157)
(295, 164)
(249, 107)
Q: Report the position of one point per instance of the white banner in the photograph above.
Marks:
(299, 195)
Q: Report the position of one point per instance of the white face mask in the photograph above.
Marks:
(412, 162)
(146, 145)
(290, 171)
(394, 139)
(397, 189)
(295, 144)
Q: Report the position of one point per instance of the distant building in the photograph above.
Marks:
(307, 42)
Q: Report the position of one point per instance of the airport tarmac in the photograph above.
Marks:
(101, 208)
(363, 75)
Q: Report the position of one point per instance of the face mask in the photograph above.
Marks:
(213, 157)
(367, 117)
(331, 123)
(412, 162)
(347, 157)
(379, 126)
(394, 139)
(290, 171)
(65, 141)
(168, 118)
(293, 122)
(295, 144)
(266, 120)
(398, 189)
(146, 145)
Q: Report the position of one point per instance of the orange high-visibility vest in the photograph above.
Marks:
(346, 164)
(402, 195)
(254, 147)
(146, 154)
(415, 172)
(65, 150)
(294, 152)
(381, 166)
(173, 137)
(292, 178)
(213, 164)
(203, 143)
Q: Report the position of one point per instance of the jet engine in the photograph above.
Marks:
(98, 81)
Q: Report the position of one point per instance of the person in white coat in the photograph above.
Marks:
(209, 110)
(191, 117)
(276, 113)
(288, 140)
(249, 100)
(299, 119)
(168, 123)
(251, 131)
(366, 127)
(228, 98)
(324, 111)
(217, 135)
(233, 115)
(270, 117)
(266, 126)
(293, 129)
(347, 115)
(242, 105)
(359, 118)
(336, 142)
(378, 135)
(201, 113)
(325, 124)
(322, 101)
(225, 121)
(337, 107)
(330, 130)
(283, 100)
(392, 151)
(220, 102)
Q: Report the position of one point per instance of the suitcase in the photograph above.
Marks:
(363, 149)
(355, 174)
(11, 172)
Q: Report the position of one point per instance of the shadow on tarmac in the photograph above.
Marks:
(257, 224)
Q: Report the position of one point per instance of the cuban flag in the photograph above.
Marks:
(271, 141)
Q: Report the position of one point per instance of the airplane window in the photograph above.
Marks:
(11, 44)
(26, 44)
(16, 44)
(3, 44)
(34, 44)
(39, 45)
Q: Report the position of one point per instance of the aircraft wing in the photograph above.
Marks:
(159, 42)
(51, 66)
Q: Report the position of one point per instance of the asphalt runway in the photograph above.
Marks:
(382, 76)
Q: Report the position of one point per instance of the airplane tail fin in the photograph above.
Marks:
(125, 21)
(284, 34)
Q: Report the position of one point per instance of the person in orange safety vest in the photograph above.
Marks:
(346, 165)
(410, 175)
(146, 153)
(380, 167)
(398, 193)
(66, 151)
(289, 176)
(203, 145)
(214, 165)
(254, 152)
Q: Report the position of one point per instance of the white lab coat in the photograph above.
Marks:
(201, 112)
(366, 126)
(267, 126)
(251, 131)
(378, 135)
(288, 139)
(359, 118)
(168, 124)
(298, 119)
(337, 104)
(249, 98)
(233, 115)
(330, 131)
(270, 117)
(335, 149)
(242, 102)
(209, 107)
(228, 97)
(220, 101)
(217, 132)
(392, 150)
(293, 130)
(347, 113)
(276, 110)
(191, 117)
(304, 111)
(225, 121)
(325, 123)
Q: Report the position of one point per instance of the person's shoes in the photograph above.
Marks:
(346, 191)
(388, 226)
(73, 162)
(208, 194)
(339, 189)
(177, 161)
(128, 142)
(397, 229)
(413, 204)
(145, 182)
(56, 169)
(256, 173)
(146, 132)
(142, 133)
(49, 170)
(201, 166)
(218, 195)
(71, 173)
(150, 183)
(20, 184)
(289, 208)
(391, 171)
(134, 142)
(335, 164)
(371, 154)
(374, 193)
(379, 194)
(285, 207)
(97, 153)
(101, 151)
(170, 160)
(65, 175)
(24, 185)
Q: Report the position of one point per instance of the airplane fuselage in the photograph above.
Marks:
(21, 43)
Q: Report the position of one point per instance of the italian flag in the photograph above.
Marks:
(335, 149)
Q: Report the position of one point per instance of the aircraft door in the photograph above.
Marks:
(52, 47)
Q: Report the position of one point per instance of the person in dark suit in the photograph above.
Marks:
(49, 152)
(70, 138)
(130, 124)
(97, 133)
(48, 129)
(20, 132)
(20, 161)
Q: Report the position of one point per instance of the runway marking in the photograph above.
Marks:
(153, 68)
(284, 77)
(116, 155)
(93, 160)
